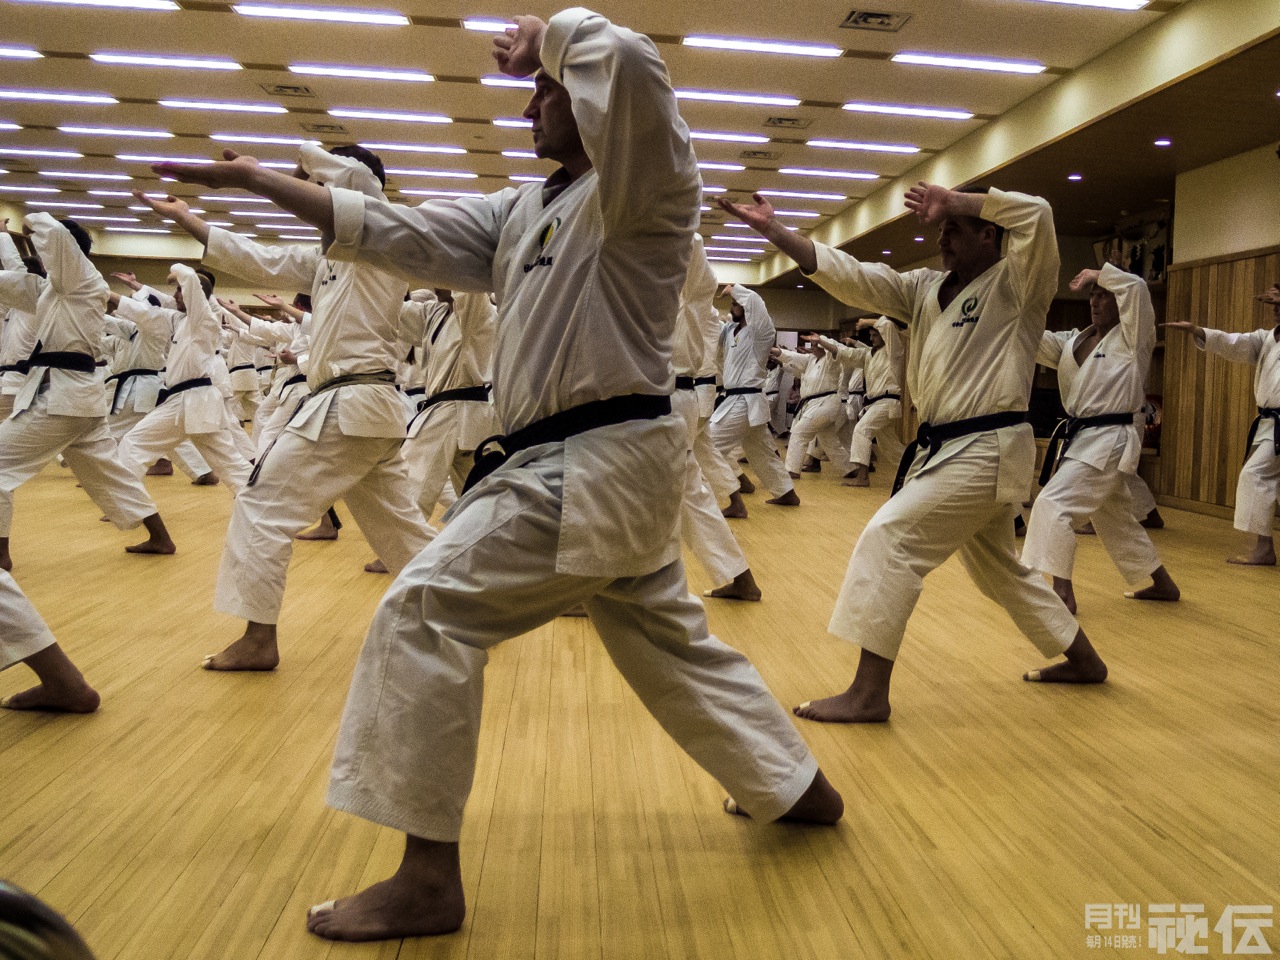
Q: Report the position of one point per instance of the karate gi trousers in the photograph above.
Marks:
(703, 527)
(820, 421)
(1257, 490)
(434, 457)
(185, 454)
(298, 481)
(34, 437)
(1075, 493)
(23, 632)
(881, 422)
(947, 507)
(1140, 494)
(164, 428)
(406, 749)
(734, 428)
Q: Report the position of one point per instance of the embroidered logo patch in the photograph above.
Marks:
(544, 238)
(967, 314)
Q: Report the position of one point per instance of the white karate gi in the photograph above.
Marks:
(587, 283)
(288, 384)
(820, 417)
(703, 527)
(241, 351)
(20, 330)
(743, 419)
(456, 344)
(716, 470)
(1258, 486)
(64, 411)
(23, 633)
(881, 408)
(1092, 478)
(976, 357)
(342, 443)
(198, 414)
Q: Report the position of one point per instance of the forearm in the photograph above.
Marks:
(798, 248)
(307, 201)
(189, 222)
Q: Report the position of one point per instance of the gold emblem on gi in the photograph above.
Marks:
(544, 238)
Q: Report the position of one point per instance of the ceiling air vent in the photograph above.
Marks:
(758, 155)
(788, 123)
(866, 20)
(324, 128)
(287, 90)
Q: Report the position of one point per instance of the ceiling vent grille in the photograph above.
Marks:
(758, 155)
(287, 90)
(788, 123)
(324, 128)
(866, 20)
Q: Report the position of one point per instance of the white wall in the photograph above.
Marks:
(1227, 207)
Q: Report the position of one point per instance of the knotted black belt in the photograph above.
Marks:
(62, 360)
(687, 383)
(880, 396)
(933, 437)
(1066, 431)
(182, 387)
(12, 368)
(416, 392)
(561, 426)
(296, 378)
(812, 396)
(480, 393)
(703, 381)
(1264, 413)
(122, 379)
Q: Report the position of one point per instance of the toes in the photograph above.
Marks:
(1033, 676)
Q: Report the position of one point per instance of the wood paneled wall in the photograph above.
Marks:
(1209, 402)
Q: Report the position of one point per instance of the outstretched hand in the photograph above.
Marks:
(519, 50)
(809, 337)
(1272, 296)
(757, 215)
(232, 170)
(930, 202)
(1192, 328)
(170, 207)
(1085, 279)
(271, 300)
(128, 279)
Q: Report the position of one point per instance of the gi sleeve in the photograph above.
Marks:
(292, 266)
(70, 272)
(202, 327)
(1137, 317)
(1032, 248)
(1049, 353)
(870, 286)
(1236, 347)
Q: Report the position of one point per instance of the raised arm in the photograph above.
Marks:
(758, 215)
(70, 271)
(1133, 301)
(203, 325)
(1032, 246)
(19, 289)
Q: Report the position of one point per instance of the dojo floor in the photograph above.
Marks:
(186, 819)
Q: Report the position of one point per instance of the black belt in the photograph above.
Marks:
(264, 369)
(743, 391)
(933, 437)
(123, 377)
(12, 368)
(703, 381)
(1264, 413)
(880, 396)
(480, 393)
(687, 383)
(1066, 431)
(182, 387)
(813, 396)
(242, 366)
(416, 392)
(561, 426)
(62, 360)
(296, 378)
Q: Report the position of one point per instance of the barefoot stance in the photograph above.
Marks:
(741, 587)
(745, 485)
(1156, 593)
(373, 566)
(736, 510)
(83, 699)
(247, 653)
(151, 546)
(847, 707)
(788, 499)
(390, 910)
(209, 479)
(819, 804)
(1263, 554)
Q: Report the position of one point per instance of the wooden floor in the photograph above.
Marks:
(186, 818)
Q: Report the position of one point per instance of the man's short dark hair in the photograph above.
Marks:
(207, 280)
(81, 235)
(34, 266)
(302, 301)
(984, 191)
(367, 157)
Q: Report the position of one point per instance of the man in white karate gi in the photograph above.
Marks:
(62, 405)
(343, 441)
(742, 419)
(579, 502)
(820, 416)
(25, 638)
(20, 329)
(1258, 487)
(1102, 375)
(975, 329)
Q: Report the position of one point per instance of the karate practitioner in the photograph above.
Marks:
(191, 406)
(820, 416)
(975, 329)
(20, 331)
(1102, 375)
(1259, 484)
(25, 638)
(742, 419)
(580, 503)
(703, 527)
(62, 405)
(343, 442)
(883, 361)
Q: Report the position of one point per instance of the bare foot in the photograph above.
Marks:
(811, 465)
(82, 699)
(325, 531)
(856, 481)
(209, 479)
(1154, 593)
(256, 650)
(736, 510)
(161, 547)
(373, 566)
(1083, 665)
(161, 468)
(741, 587)
(422, 899)
(793, 475)
(1263, 554)
(745, 485)
(848, 707)
(788, 499)
(1152, 521)
(821, 803)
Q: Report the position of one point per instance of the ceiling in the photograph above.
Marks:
(1060, 36)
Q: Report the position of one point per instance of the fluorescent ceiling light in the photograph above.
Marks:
(763, 46)
(20, 53)
(730, 259)
(220, 223)
(760, 240)
(841, 174)
(8, 189)
(149, 60)
(412, 148)
(33, 152)
(142, 208)
(762, 99)
(63, 203)
(259, 138)
(512, 122)
(728, 250)
(707, 189)
(360, 73)
(720, 166)
(441, 193)
(1108, 4)
(109, 219)
(118, 4)
(118, 193)
(5, 125)
(118, 132)
(802, 195)
(734, 225)
(487, 25)
(872, 147)
(796, 213)
(138, 230)
(447, 174)
(229, 198)
(261, 214)
(497, 80)
(73, 175)
(527, 178)
(147, 158)
(285, 236)
(217, 105)
(728, 137)
(54, 97)
(328, 14)
(390, 115)
(896, 110)
(520, 154)
(969, 63)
